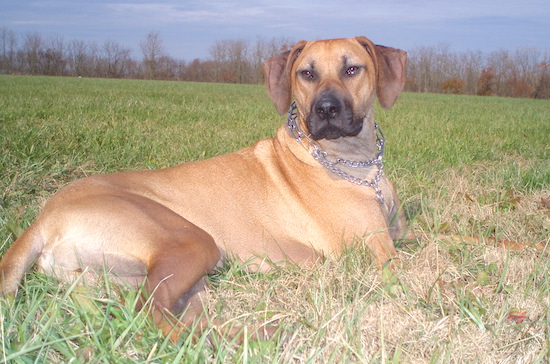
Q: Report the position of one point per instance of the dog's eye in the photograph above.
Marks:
(353, 70)
(308, 75)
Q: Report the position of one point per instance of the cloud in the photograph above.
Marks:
(34, 22)
(213, 13)
(397, 11)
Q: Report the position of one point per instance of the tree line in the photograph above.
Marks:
(230, 61)
(524, 72)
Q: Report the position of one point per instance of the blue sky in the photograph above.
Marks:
(189, 28)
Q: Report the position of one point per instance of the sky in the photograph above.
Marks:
(189, 28)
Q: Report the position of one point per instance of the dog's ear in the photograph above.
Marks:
(391, 71)
(392, 74)
(276, 82)
(278, 77)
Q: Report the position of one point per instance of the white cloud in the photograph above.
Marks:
(214, 13)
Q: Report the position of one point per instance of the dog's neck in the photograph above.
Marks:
(362, 153)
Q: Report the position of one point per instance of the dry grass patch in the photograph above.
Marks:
(435, 309)
(486, 201)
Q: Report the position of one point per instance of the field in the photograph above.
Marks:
(463, 165)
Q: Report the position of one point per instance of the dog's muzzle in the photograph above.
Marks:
(332, 118)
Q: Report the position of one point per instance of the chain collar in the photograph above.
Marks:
(331, 163)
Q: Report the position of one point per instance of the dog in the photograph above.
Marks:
(314, 189)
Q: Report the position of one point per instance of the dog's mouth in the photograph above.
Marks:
(330, 131)
(330, 118)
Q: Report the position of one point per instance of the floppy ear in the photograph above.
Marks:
(391, 71)
(278, 77)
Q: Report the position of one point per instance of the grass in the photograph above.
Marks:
(462, 165)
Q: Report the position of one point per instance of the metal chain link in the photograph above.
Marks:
(323, 157)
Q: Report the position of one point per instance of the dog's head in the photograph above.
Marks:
(334, 82)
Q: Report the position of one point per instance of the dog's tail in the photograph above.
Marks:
(19, 257)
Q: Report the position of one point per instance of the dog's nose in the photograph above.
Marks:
(328, 107)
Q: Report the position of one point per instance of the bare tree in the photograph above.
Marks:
(115, 59)
(220, 56)
(154, 55)
(8, 45)
(525, 79)
(33, 48)
(54, 60)
(79, 58)
(471, 66)
(238, 60)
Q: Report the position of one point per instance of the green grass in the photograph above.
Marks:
(462, 165)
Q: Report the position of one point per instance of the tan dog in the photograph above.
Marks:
(283, 199)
